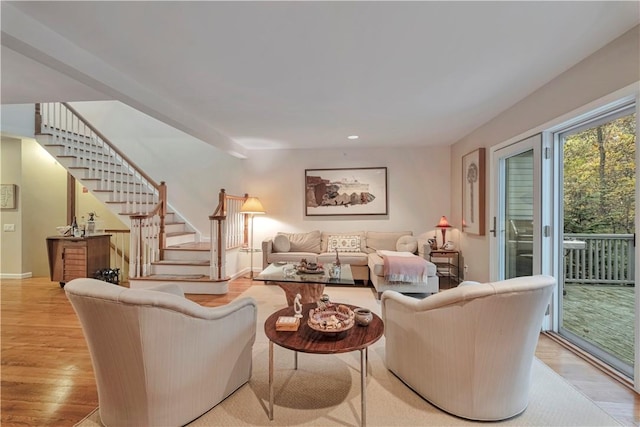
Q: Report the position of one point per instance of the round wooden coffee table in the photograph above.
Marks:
(307, 340)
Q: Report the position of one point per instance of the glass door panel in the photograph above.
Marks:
(598, 184)
(516, 210)
(518, 215)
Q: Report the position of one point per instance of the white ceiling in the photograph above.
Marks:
(256, 75)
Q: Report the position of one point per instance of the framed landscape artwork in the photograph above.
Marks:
(360, 191)
(473, 173)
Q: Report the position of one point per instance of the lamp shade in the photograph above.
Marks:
(443, 223)
(252, 206)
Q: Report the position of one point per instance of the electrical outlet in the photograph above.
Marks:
(9, 227)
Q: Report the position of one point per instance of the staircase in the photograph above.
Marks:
(171, 250)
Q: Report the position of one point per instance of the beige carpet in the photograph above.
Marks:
(325, 390)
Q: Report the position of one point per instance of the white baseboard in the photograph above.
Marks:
(242, 273)
(16, 276)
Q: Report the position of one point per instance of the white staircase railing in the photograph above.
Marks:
(143, 199)
(229, 230)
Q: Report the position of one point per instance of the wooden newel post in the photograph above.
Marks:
(218, 253)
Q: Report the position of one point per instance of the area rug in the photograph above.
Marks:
(325, 390)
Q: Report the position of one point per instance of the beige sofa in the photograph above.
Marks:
(357, 248)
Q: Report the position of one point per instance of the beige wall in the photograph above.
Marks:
(418, 188)
(41, 186)
(613, 67)
(11, 242)
(42, 201)
(44, 204)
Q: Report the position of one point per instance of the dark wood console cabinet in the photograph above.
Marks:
(73, 257)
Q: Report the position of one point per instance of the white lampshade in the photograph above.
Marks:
(252, 206)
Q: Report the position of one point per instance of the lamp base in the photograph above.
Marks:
(444, 237)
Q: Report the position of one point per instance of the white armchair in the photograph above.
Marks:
(468, 350)
(159, 358)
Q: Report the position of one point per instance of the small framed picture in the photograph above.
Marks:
(8, 196)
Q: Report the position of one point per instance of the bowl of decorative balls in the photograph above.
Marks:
(331, 318)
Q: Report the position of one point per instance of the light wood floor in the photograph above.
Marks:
(47, 378)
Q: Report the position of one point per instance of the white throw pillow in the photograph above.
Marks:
(281, 243)
(407, 244)
(343, 243)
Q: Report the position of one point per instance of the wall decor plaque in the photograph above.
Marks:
(7, 196)
(473, 173)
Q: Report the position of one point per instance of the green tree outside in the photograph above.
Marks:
(599, 178)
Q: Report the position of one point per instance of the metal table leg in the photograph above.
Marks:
(366, 361)
(271, 380)
(363, 389)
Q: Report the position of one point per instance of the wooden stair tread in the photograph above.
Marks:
(139, 202)
(181, 262)
(180, 233)
(113, 191)
(130, 213)
(191, 246)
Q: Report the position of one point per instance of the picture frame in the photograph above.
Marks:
(7, 196)
(473, 192)
(346, 191)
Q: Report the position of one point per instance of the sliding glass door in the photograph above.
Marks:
(597, 179)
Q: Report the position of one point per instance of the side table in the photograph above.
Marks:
(306, 340)
(447, 263)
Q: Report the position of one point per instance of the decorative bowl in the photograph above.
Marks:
(363, 316)
(308, 270)
(332, 319)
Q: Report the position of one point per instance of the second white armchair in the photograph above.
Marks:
(468, 350)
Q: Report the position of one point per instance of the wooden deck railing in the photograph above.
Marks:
(229, 230)
(605, 259)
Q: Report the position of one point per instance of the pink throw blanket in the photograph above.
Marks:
(404, 267)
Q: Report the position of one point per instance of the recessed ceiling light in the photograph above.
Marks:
(353, 137)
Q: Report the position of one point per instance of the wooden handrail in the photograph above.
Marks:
(221, 210)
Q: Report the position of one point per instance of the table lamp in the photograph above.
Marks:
(252, 207)
(443, 225)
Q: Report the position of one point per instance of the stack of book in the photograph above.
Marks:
(287, 323)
